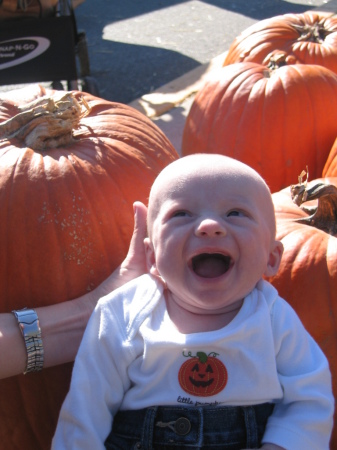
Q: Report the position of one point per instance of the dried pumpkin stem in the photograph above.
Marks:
(45, 123)
(324, 215)
(312, 33)
(277, 60)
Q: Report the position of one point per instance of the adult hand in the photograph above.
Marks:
(134, 264)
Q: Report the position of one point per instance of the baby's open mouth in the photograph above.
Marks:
(211, 265)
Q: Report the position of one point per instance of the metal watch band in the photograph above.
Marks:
(30, 328)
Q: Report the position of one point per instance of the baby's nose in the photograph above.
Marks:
(210, 227)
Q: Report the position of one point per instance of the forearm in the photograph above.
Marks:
(62, 328)
(13, 354)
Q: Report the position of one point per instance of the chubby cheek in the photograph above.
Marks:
(165, 252)
(158, 259)
(255, 261)
(168, 264)
(150, 257)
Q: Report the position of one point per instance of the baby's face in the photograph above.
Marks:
(211, 235)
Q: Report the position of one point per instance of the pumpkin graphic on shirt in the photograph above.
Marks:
(203, 375)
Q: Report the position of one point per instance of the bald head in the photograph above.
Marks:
(212, 167)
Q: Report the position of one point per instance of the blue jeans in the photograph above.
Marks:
(174, 428)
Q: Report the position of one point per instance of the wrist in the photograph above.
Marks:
(29, 326)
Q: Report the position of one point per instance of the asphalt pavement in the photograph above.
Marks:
(137, 46)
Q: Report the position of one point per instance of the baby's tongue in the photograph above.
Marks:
(210, 266)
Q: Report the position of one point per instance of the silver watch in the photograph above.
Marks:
(30, 328)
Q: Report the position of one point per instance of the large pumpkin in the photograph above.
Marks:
(307, 277)
(330, 168)
(308, 38)
(276, 120)
(66, 222)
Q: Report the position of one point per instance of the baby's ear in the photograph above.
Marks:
(150, 257)
(274, 259)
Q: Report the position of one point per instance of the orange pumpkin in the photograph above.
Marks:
(276, 120)
(308, 38)
(307, 277)
(330, 168)
(67, 219)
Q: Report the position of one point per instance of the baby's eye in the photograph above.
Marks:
(235, 213)
(180, 214)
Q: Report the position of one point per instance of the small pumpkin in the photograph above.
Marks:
(307, 277)
(307, 38)
(71, 166)
(277, 120)
(203, 375)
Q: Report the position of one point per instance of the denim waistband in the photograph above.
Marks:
(166, 427)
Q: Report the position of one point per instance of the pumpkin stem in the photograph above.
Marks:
(202, 357)
(312, 33)
(276, 61)
(47, 122)
(278, 58)
(324, 215)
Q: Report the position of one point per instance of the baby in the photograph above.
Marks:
(200, 353)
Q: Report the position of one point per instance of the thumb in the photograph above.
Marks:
(135, 259)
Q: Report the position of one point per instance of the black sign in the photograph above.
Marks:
(18, 51)
(37, 50)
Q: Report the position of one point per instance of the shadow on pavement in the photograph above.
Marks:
(146, 68)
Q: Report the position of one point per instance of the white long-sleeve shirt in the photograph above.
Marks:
(132, 357)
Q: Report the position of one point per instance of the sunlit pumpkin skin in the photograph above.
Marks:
(330, 168)
(307, 38)
(66, 222)
(307, 277)
(203, 375)
(275, 120)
